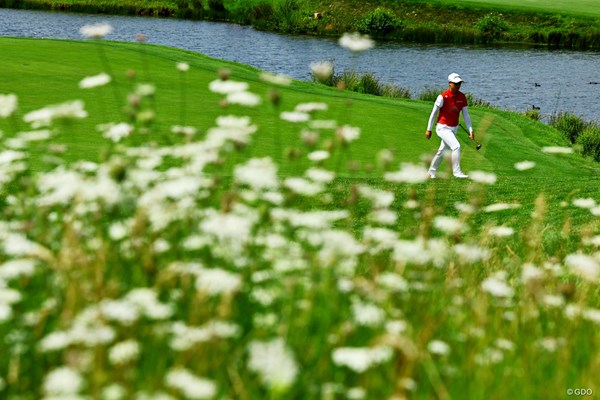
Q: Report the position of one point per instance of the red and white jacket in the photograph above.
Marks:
(449, 106)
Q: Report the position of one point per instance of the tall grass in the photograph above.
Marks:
(186, 262)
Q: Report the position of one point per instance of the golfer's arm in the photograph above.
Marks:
(439, 102)
(467, 118)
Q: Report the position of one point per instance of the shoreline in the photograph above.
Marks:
(406, 22)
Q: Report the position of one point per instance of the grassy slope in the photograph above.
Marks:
(588, 8)
(44, 72)
(47, 71)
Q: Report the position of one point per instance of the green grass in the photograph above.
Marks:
(588, 8)
(163, 217)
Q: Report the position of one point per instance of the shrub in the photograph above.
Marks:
(569, 124)
(379, 21)
(492, 26)
(589, 140)
(533, 114)
(430, 93)
(395, 91)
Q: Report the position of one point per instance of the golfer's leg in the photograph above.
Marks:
(448, 136)
(456, 162)
(437, 159)
(452, 142)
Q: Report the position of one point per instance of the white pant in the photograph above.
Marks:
(449, 142)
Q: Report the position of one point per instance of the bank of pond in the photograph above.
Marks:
(407, 21)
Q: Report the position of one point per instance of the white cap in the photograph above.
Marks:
(454, 78)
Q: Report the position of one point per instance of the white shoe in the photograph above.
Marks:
(431, 176)
(461, 175)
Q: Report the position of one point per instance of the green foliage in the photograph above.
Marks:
(430, 93)
(569, 124)
(492, 26)
(533, 114)
(378, 22)
(589, 140)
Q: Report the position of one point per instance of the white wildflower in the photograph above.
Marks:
(500, 207)
(319, 155)
(409, 173)
(8, 104)
(320, 175)
(310, 107)
(258, 173)
(501, 231)
(531, 274)
(383, 216)
(303, 186)
(145, 89)
(22, 267)
(367, 314)
(274, 362)
(497, 287)
(45, 116)
(396, 327)
(191, 386)
(593, 241)
(348, 133)
(356, 42)
(322, 70)
(55, 341)
(280, 80)
(227, 87)
(6, 312)
(464, 208)
(592, 315)
(356, 393)
(449, 225)
(216, 281)
(379, 198)
(471, 254)
(585, 266)
(438, 347)
(114, 392)
(62, 381)
(96, 31)
(94, 81)
(184, 130)
(524, 165)
(489, 356)
(360, 359)
(244, 99)
(322, 124)
(115, 132)
(483, 177)
(585, 203)
(294, 116)
(183, 66)
(551, 300)
(124, 352)
(379, 239)
(557, 150)
(392, 281)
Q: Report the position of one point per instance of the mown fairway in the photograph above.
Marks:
(226, 264)
(577, 7)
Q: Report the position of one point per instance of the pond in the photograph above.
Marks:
(514, 79)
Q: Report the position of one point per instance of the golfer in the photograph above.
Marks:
(449, 105)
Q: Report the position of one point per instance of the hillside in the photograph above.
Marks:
(186, 232)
